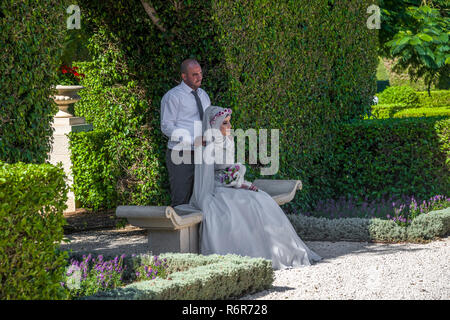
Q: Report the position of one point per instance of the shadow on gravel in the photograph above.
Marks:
(108, 242)
(332, 250)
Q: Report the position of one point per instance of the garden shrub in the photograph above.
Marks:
(429, 226)
(32, 200)
(399, 95)
(381, 111)
(439, 98)
(207, 278)
(269, 61)
(95, 174)
(392, 157)
(31, 39)
(423, 112)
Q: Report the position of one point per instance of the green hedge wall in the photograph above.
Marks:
(32, 200)
(298, 66)
(393, 157)
(31, 38)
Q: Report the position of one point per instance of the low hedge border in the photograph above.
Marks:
(423, 112)
(195, 276)
(382, 111)
(425, 227)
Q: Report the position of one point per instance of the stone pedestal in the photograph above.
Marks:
(64, 123)
(60, 149)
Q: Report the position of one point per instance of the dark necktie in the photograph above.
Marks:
(199, 103)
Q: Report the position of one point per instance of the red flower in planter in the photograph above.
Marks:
(69, 76)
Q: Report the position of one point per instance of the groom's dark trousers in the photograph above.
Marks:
(181, 178)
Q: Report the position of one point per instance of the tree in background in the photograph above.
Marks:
(416, 34)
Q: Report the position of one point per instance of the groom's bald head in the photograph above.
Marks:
(191, 72)
(186, 64)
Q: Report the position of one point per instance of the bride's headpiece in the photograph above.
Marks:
(224, 113)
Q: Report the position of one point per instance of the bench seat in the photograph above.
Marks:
(176, 230)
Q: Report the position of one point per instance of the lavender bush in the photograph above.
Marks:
(404, 214)
(402, 211)
(89, 276)
(150, 271)
(92, 275)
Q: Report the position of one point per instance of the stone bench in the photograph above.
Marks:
(176, 230)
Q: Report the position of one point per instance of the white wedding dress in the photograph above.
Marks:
(240, 221)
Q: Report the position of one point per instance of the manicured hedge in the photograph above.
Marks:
(423, 112)
(439, 98)
(31, 40)
(32, 200)
(382, 111)
(298, 66)
(430, 226)
(399, 95)
(392, 158)
(198, 277)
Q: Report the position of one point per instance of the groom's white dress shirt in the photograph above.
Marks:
(179, 111)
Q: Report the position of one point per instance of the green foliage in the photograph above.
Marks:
(411, 104)
(95, 174)
(269, 61)
(31, 37)
(200, 277)
(430, 226)
(392, 157)
(32, 200)
(381, 111)
(438, 98)
(423, 112)
(399, 95)
(422, 45)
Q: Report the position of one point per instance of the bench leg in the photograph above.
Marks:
(183, 240)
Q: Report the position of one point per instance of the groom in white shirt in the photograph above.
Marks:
(180, 107)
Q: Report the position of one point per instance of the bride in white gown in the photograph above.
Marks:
(237, 217)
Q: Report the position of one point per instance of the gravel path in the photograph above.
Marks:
(349, 270)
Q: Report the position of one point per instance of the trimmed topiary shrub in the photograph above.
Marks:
(270, 62)
(32, 200)
(399, 95)
(31, 38)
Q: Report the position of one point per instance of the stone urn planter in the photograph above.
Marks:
(63, 124)
(66, 95)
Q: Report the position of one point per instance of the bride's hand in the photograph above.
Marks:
(251, 187)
